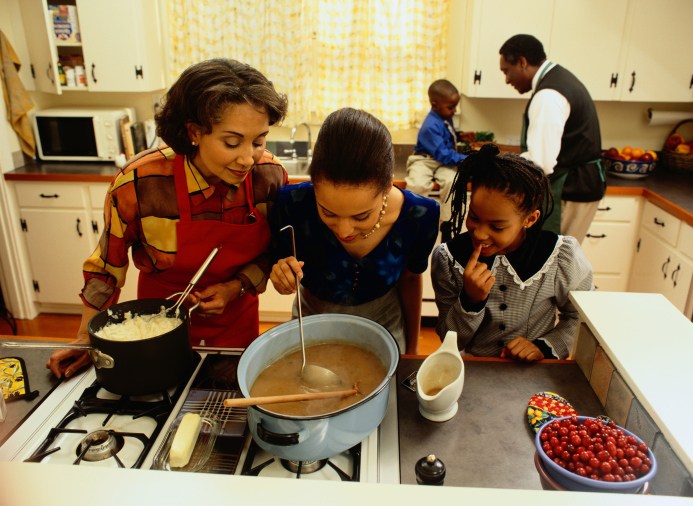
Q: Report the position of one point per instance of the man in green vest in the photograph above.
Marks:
(560, 133)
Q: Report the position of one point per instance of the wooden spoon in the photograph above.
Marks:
(275, 399)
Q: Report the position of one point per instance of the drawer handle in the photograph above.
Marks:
(44, 196)
(675, 275)
(593, 236)
(607, 208)
(660, 223)
(665, 267)
(79, 232)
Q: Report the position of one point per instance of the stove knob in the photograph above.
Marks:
(430, 471)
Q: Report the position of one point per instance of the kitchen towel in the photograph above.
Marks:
(657, 118)
(17, 101)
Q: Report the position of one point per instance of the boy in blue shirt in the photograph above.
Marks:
(435, 155)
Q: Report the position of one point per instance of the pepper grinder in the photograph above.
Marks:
(430, 470)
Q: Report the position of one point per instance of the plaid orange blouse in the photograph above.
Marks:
(141, 213)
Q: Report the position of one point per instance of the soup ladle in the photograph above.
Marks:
(313, 376)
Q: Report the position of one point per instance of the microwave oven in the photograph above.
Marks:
(80, 134)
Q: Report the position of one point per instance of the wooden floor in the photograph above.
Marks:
(65, 327)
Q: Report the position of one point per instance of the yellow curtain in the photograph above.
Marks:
(377, 55)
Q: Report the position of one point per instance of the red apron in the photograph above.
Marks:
(240, 244)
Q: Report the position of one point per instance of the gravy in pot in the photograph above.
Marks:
(353, 364)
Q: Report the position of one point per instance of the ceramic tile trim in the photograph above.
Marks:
(672, 478)
(618, 400)
(624, 408)
(585, 347)
(602, 370)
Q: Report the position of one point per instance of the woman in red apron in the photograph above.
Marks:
(240, 243)
(171, 205)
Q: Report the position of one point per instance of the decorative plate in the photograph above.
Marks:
(545, 406)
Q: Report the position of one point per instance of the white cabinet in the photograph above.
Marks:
(640, 44)
(61, 225)
(489, 23)
(658, 33)
(663, 262)
(589, 27)
(610, 241)
(120, 48)
(275, 307)
(56, 226)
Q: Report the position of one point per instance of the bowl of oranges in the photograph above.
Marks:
(629, 162)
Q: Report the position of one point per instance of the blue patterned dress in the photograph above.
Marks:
(330, 273)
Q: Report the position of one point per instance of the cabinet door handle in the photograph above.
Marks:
(614, 81)
(44, 196)
(593, 236)
(79, 231)
(138, 72)
(477, 77)
(632, 82)
(665, 267)
(675, 275)
(660, 223)
(94, 227)
(93, 73)
(607, 208)
(49, 73)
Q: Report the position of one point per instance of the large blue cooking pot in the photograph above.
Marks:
(323, 436)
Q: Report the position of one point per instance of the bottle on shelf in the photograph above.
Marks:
(61, 75)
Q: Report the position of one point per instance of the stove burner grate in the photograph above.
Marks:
(300, 468)
(103, 444)
(303, 467)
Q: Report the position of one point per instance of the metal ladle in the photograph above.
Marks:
(313, 376)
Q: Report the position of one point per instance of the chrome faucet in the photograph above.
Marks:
(309, 153)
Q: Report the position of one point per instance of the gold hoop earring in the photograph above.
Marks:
(194, 143)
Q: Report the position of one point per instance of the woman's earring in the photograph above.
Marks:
(194, 143)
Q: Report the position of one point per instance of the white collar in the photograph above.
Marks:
(545, 67)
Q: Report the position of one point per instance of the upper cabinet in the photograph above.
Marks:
(658, 66)
(586, 39)
(628, 50)
(489, 23)
(94, 45)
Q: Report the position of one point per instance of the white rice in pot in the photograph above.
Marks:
(138, 327)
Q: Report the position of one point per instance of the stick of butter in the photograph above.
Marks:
(185, 439)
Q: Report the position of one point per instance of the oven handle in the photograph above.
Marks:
(274, 438)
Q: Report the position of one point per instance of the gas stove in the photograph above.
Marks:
(80, 423)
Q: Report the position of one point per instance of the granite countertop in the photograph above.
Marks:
(668, 189)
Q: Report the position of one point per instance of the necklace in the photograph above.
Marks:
(380, 218)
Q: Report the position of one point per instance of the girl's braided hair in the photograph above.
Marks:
(510, 174)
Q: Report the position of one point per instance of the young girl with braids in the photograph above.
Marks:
(499, 284)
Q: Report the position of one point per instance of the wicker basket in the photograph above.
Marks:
(673, 160)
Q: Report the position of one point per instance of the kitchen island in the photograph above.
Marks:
(30, 483)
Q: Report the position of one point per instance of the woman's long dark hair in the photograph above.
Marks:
(512, 175)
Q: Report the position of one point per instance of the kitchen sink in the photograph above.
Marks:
(296, 166)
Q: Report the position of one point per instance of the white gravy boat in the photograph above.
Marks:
(439, 381)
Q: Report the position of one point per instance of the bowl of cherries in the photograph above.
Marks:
(593, 454)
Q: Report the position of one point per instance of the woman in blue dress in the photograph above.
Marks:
(362, 243)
